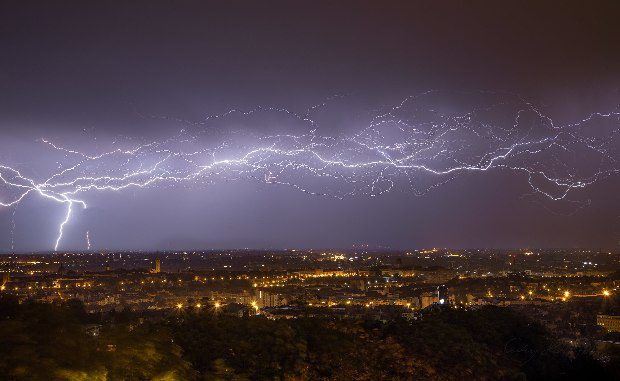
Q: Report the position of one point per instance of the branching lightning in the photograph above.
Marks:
(410, 146)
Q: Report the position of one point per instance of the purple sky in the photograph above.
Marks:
(95, 78)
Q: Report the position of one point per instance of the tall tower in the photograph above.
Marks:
(157, 268)
(442, 294)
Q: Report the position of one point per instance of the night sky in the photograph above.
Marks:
(492, 108)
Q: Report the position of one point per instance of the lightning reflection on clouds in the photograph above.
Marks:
(410, 146)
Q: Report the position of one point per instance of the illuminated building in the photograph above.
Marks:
(157, 268)
(427, 299)
(268, 299)
(609, 322)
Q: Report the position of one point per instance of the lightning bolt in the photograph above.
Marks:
(410, 146)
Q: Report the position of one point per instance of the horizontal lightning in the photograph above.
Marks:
(411, 146)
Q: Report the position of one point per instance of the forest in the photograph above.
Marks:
(60, 341)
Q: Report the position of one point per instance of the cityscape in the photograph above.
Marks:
(309, 190)
(296, 283)
(572, 294)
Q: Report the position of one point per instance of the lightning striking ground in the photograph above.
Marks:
(411, 146)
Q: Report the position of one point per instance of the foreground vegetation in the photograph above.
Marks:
(61, 342)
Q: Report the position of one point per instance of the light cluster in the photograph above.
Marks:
(413, 146)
